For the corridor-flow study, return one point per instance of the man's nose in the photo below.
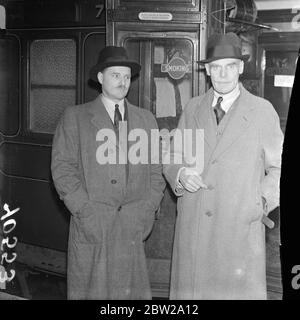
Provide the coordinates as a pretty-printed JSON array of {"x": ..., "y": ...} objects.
[
  {"x": 223, "y": 72},
  {"x": 123, "y": 81}
]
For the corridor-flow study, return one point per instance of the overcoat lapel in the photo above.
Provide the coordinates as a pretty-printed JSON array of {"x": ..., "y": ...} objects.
[
  {"x": 239, "y": 122},
  {"x": 204, "y": 120},
  {"x": 134, "y": 122},
  {"x": 100, "y": 118}
]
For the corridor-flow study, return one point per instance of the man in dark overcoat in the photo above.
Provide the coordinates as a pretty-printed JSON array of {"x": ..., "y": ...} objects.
[{"x": 112, "y": 204}]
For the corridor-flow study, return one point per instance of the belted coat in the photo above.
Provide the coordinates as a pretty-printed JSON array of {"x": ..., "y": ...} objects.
[
  {"x": 219, "y": 246},
  {"x": 111, "y": 216}
]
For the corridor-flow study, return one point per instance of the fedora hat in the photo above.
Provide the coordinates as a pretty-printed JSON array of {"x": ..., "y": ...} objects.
[
  {"x": 222, "y": 46},
  {"x": 113, "y": 56}
]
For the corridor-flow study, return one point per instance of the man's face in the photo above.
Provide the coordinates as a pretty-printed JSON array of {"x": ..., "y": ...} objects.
[
  {"x": 115, "y": 82},
  {"x": 224, "y": 73}
]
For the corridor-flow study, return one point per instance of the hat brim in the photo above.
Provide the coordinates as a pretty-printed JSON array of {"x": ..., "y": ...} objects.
[
  {"x": 244, "y": 57},
  {"x": 134, "y": 66}
]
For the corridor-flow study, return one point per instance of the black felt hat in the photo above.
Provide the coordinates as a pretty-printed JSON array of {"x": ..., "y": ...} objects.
[
  {"x": 222, "y": 46},
  {"x": 113, "y": 56}
]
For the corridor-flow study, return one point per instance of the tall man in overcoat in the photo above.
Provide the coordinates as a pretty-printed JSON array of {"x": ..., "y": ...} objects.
[
  {"x": 219, "y": 246},
  {"x": 112, "y": 205}
]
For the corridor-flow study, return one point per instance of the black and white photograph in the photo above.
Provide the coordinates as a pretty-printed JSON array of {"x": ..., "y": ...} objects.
[{"x": 147, "y": 153}]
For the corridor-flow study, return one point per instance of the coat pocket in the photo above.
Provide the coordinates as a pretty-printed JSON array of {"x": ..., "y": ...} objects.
[
  {"x": 87, "y": 225},
  {"x": 258, "y": 211}
]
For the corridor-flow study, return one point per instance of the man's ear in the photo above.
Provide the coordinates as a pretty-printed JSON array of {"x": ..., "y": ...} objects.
[
  {"x": 207, "y": 68},
  {"x": 100, "y": 77},
  {"x": 241, "y": 67}
]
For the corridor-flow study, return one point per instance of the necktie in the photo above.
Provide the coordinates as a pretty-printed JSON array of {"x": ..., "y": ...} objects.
[
  {"x": 218, "y": 110},
  {"x": 117, "y": 117}
]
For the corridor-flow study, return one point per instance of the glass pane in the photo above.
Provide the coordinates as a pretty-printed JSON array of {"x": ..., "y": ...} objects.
[
  {"x": 47, "y": 105},
  {"x": 53, "y": 82},
  {"x": 279, "y": 78},
  {"x": 9, "y": 88},
  {"x": 53, "y": 62},
  {"x": 165, "y": 82}
]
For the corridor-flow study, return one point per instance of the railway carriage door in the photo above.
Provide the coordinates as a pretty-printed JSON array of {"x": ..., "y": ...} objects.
[
  {"x": 46, "y": 52},
  {"x": 166, "y": 38},
  {"x": 166, "y": 83}
]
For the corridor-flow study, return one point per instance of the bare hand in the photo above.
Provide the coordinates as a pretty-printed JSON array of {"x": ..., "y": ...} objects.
[{"x": 191, "y": 180}]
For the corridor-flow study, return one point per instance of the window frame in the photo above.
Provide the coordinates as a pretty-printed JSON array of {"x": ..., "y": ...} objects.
[
  {"x": 15, "y": 36},
  {"x": 29, "y": 39},
  {"x": 74, "y": 87}
]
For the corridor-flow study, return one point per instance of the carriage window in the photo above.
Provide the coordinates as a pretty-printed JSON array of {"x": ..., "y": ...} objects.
[
  {"x": 9, "y": 85},
  {"x": 165, "y": 82},
  {"x": 52, "y": 83}
]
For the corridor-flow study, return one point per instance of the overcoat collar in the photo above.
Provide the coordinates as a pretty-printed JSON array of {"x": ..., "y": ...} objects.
[
  {"x": 101, "y": 119},
  {"x": 239, "y": 122},
  {"x": 204, "y": 120}
]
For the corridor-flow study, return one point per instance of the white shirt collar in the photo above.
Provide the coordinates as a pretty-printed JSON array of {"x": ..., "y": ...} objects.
[
  {"x": 110, "y": 107},
  {"x": 228, "y": 98}
]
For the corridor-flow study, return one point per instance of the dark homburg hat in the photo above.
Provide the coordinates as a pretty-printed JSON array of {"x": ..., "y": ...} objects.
[
  {"x": 221, "y": 46},
  {"x": 113, "y": 56}
]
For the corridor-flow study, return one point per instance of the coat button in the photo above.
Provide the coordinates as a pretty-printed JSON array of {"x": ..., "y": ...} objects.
[
  {"x": 209, "y": 213},
  {"x": 113, "y": 181},
  {"x": 119, "y": 208}
]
